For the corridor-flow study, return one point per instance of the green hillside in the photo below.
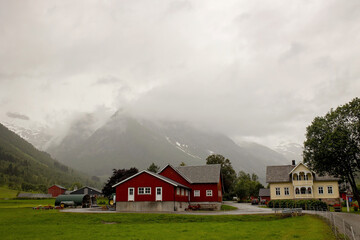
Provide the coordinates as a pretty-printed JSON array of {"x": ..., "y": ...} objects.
[{"x": 23, "y": 167}]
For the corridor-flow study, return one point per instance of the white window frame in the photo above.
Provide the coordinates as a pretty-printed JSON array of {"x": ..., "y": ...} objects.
[
  {"x": 331, "y": 190},
  {"x": 286, "y": 191},
  {"x": 186, "y": 192},
  {"x": 177, "y": 191},
  {"x": 277, "y": 191},
  {"x": 182, "y": 192},
  {"x": 144, "y": 190},
  {"x": 209, "y": 193},
  {"x": 321, "y": 190},
  {"x": 196, "y": 193}
]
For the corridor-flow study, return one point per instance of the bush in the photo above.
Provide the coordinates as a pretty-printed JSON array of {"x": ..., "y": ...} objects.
[
  {"x": 356, "y": 208},
  {"x": 304, "y": 204}
]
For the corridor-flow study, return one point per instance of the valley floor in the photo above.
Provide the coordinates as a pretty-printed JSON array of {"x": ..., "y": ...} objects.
[{"x": 19, "y": 221}]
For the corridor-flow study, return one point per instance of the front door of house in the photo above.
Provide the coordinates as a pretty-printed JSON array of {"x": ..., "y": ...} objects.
[
  {"x": 130, "y": 194},
  {"x": 159, "y": 194}
]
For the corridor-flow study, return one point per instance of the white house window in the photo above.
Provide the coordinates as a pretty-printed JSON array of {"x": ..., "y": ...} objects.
[
  {"x": 186, "y": 192},
  {"x": 196, "y": 193},
  {"x": 177, "y": 191},
  {"x": 208, "y": 193},
  {"x": 330, "y": 190},
  {"x": 277, "y": 191},
  {"x": 182, "y": 192},
  {"x": 144, "y": 190},
  {"x": 321, "y": 190},
  {"x": 286, "y": 191}
]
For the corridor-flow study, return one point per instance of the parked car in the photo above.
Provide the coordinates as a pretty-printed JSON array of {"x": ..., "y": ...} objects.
[{"x": 255, "y": 202}]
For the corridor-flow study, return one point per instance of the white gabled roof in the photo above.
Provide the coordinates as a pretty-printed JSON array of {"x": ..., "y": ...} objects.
[
  {"x": 297, "y": 167},
  {"x": 165, "y": 179}
]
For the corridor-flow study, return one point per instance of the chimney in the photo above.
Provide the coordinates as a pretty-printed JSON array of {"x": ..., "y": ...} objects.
[{"x": 293, "y": 162}]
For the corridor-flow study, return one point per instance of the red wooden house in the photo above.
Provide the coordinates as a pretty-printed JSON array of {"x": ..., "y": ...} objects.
[
  {"x": 56, "y": 190},
  {"x": 172, "y": 189}
]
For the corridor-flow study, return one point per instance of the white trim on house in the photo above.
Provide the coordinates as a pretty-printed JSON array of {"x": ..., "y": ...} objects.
[
  {"x": 286, "y": 191},
  {"x": 131, "y": 197},
  {"x": 144, "y": 190},
  {"x": 277, "y": 190},
  {"x": 158, "y": 194},
  {"x": 145, "y": 171},
  {"x": 209, "y": 193},
  {"x": 196, "y": 193},
  {"x": 322, "y": 190},
  {"x": 298, "y": 166},
  {"x": 169, "y": 165}
]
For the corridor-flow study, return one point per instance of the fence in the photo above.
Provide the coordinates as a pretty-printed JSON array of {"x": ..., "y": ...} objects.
[{"x": 341, "y": 223}]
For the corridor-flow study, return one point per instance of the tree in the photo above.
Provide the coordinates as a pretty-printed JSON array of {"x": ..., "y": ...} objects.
[
  {"x": 227, "y": 172},
  {"x": 247, "y": 185},
  {"x": 153, "y": 168},
  {"x": 76, "y": 185},
  {"x": 118, "y": 176},
  {"x": 332, "y": 144},
  {"x": 182, "y": 164}
]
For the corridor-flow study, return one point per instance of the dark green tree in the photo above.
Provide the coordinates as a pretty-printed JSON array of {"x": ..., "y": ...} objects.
[
  {"x": 153, "y": 168},
  {"x": 332, "y": 144},
  {"x": 182, "y": 164},
  {"x": 227, "y": 172},
  {"x": 118, "y": 176},
  {"x": 247, "y": 185}
]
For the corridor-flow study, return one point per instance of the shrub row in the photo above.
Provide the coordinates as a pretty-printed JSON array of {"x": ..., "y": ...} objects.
[{"x": 304, "y": 204}]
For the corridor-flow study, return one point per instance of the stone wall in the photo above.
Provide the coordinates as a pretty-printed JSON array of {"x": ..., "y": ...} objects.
[{"x": 151, "y": 206}]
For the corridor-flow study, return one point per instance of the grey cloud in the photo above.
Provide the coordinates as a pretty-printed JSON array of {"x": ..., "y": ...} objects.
[
  {"x": 254, "y": 69},
  {"x": 17, "y": 115},
  {"x": 294, "y": 50}
]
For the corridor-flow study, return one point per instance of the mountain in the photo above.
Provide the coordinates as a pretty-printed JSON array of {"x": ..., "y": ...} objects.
[
  {"x": 22, "y": 166},
  {"x": 125, "y": 142},
  {"x": 36, "y": 135},
  {"x": 291, "y": 151}
]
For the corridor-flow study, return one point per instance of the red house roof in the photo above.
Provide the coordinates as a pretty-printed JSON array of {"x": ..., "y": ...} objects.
[{"x": 168, "y": 180}]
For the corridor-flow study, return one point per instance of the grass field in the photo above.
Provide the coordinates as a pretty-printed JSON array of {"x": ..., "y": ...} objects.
[
  {"x": 18, "y": 221},
  {"x": 7, "y": 193},
  {"x": 227, "y": 207}
]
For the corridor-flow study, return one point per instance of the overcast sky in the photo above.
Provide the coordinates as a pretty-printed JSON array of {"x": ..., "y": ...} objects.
[{"x": 254, "y": 70}]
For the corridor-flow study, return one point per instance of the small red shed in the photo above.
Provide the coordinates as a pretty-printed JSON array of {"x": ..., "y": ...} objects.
[
  {"x": 264, "y": 194},
  {"x": 56, "y": 190}
]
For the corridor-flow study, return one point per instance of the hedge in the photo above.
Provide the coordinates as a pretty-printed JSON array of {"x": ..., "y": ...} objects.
[{"x": 304, "y": 204}]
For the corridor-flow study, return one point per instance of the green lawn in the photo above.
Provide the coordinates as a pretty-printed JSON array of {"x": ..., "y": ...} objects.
[
  {"x": 7, "y": 193},
  {"x": 225, "y": 207},
  {"x": 18, "y": 221}
]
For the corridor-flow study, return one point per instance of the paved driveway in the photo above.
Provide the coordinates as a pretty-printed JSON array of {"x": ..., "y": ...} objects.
[{"x": 243, "y": 208}]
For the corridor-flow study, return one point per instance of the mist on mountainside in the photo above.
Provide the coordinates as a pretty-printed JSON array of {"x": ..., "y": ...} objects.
[{"x": 125, "y": 141}]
